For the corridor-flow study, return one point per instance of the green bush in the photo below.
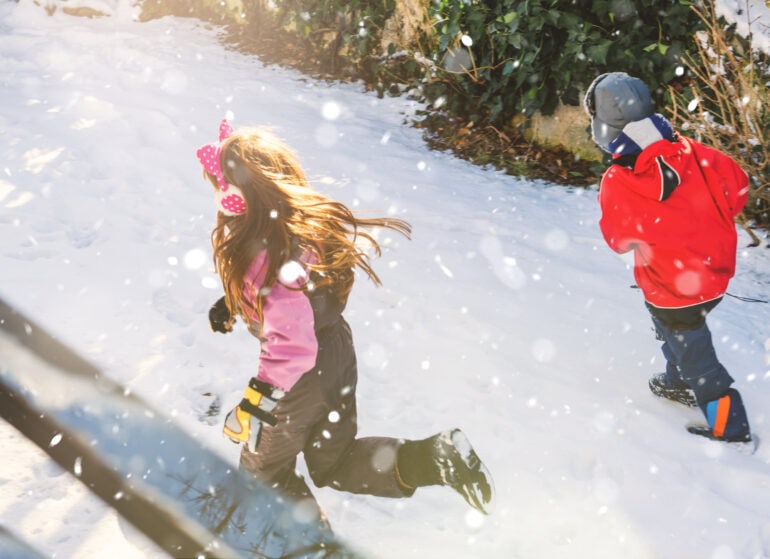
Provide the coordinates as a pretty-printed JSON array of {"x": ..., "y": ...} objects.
[
  {"x": 510, "y": 57},
  {"x": 529, "y": 55},
  {"x": 338, "y": 37}
]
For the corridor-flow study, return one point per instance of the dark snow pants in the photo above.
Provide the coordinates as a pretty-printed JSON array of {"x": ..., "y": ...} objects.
[
  {"x": 689, "y": 350},
  {"x": 318, "y": 418}
]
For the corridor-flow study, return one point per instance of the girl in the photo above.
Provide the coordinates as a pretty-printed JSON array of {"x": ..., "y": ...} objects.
[{"x": 286, "y": 257}]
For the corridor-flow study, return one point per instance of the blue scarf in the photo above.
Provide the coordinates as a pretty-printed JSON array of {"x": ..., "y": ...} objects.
[{"x": 639, "y": 134}]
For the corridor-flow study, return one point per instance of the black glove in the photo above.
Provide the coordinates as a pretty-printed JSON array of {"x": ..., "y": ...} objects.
[
  {"x": 219, "y": 317},
  {"x": 244, "y": 422}
]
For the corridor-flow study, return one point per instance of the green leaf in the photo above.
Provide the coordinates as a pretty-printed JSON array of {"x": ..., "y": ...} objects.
[{"x": 598, "y": 53}]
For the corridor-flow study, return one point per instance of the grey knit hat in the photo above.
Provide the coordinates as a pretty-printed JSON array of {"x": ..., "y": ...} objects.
[{"x": 612, "y": 101}]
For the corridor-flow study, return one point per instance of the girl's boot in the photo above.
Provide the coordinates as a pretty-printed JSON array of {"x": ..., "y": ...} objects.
[{"x": 446, "y": 459}]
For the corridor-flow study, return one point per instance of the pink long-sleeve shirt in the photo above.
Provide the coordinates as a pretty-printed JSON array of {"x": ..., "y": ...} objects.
[{"x": 292, "y": 318}]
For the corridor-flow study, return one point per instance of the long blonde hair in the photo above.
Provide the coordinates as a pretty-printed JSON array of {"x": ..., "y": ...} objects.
[{"x": 285, "y": 216}]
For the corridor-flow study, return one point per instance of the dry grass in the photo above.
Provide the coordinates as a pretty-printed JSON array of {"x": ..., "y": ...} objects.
[{"x": 724, "y": 105}]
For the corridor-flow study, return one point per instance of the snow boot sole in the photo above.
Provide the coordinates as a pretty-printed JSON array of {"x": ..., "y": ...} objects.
[
  {"x": 681, "y": 395},
  {"x": 747, "y": 445}
]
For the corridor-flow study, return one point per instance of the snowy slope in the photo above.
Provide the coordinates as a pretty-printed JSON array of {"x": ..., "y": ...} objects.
[{"x": 505, "y": 315}]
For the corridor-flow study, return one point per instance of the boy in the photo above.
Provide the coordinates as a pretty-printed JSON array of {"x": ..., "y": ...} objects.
[{"x": 672, "y": 201}]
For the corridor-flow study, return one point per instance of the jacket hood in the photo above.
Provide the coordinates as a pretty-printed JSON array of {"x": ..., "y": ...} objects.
[{"x": 655, "y": 172}]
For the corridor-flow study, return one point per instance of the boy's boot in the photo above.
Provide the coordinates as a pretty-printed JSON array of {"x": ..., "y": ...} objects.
[
  {"x": 662, "y": 385},
  {"x": 726, "y": 418},
  {"x": 446, "y": 459}
]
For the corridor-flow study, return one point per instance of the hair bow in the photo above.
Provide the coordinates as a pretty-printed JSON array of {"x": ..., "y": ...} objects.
[{"x": 229, "y": 197}]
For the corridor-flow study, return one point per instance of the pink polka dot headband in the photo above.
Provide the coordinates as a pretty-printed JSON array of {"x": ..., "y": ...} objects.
[{"x": 230, "y": 200}]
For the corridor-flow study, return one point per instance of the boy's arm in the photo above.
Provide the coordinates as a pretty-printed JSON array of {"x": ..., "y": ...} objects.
[
  {"x": 735, "y": 184},
  {"x": 724, "y": 176},
  {"x": 614, "y": 222}
]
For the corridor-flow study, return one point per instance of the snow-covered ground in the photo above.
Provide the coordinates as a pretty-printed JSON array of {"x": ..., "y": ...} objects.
[{"x": 506, "y": 315}]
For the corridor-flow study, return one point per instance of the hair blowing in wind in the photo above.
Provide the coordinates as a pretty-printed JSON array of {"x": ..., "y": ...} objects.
[{"x": 285, "y": 217}]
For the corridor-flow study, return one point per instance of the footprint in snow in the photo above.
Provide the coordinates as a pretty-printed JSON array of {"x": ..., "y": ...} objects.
[{"x": 165, "y": 304}]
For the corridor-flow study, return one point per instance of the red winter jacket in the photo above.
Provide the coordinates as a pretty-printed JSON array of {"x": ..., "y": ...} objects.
[{"x": 675, "y": 210}]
